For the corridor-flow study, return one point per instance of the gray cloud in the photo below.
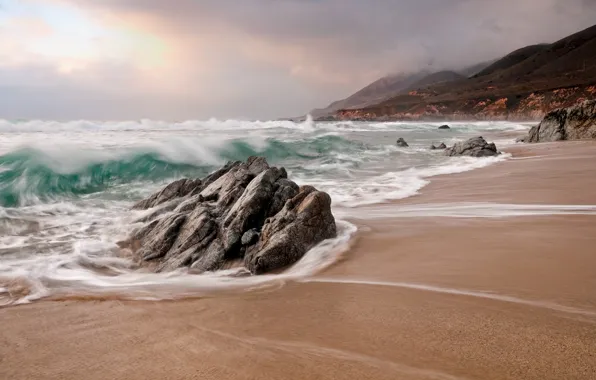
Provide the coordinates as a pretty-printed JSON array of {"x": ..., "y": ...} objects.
[{"x": 275, "y": 58}]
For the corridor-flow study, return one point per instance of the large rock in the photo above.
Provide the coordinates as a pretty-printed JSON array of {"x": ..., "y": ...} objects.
[
  {"x": 474, "y": 147},
  {"x": 574, "y": 123},
  {"x": 246, "y": 211},
  {"x": 305, "y": 220},
  {"x": 445, "y": 126}
]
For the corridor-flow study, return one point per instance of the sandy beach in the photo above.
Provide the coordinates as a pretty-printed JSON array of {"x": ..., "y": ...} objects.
[{"x": 419, "y": 295}]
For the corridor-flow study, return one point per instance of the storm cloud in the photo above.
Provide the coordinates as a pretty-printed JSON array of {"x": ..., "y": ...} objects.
[{"x": 274, "y": 58}]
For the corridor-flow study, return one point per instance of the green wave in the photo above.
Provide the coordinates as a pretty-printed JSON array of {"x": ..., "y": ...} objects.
[{"x": 29, "y": 176}]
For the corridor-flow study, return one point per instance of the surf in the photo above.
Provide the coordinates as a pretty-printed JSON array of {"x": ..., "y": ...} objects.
[
  {"x": 66, "y": 191},
  {"x": 33, "y": 175}
]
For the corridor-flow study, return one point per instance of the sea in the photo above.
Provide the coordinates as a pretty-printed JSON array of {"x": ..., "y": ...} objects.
[{"x": 66, "y": 191}]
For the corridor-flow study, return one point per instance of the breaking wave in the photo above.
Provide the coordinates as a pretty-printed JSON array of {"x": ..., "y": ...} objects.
[{"x": 33, "y": 175}]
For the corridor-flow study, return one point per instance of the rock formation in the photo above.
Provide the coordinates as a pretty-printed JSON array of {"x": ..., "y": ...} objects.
[
  {"x": 402, "y": 143},
  {"x": 474, "y": 147},
  {"x": 444, "y": 127},
  {"x": 440, "y": 146},
  {"x": 574, "y": 123},
  {"x": 245, "y": 211}
]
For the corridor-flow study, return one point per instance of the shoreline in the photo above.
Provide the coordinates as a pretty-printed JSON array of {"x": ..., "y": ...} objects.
[{"x": 427, "y": 297}]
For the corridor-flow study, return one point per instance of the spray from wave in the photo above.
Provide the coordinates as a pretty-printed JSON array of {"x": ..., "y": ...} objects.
[{"x": 34, "y": 175}]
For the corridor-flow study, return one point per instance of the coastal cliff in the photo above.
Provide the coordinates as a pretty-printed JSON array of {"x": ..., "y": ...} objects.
[
  {"x": 531, "y": 106},
  {"x": 523, "y": 85}
]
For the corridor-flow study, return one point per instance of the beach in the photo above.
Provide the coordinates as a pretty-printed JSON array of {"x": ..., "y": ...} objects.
[{"x": 432, "y": 296}]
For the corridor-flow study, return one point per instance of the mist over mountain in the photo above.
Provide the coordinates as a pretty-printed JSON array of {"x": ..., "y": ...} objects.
[
  {"x": 524, "y": 84},
  {"x": 116, "y": 59}
]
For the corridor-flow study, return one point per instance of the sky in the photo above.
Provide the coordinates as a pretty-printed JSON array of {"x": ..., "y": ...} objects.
[{"x": 245, "y": 59}]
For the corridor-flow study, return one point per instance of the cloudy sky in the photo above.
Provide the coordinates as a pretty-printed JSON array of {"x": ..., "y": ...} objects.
[{"x": 196, "y": 59}]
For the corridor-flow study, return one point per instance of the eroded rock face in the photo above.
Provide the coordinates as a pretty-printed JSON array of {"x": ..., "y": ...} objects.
[
  {"x": 245, "y": 211},
  {"x": 574, "y": 123},
  {"x": 402, "y": 143},
  {"x": 287, "y": 236},
  {"x": 474, "y": 147}
]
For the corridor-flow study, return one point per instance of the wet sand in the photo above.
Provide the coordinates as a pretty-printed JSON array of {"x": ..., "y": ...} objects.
[{"x": 430, "y": 297}]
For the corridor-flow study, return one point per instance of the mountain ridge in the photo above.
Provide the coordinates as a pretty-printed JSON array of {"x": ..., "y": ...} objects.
[{"x": 524, "y": 84}]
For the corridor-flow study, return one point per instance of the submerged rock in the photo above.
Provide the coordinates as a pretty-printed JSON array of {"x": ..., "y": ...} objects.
[
  {"x": 245, "y": 211},
  {"x": 444, "y": 127},
  {"x": 474, "y": 147},
  {"x": 574, "y": 123},
  {"x": 402, "y": 143},
  {"x": 440, "y": 146}
]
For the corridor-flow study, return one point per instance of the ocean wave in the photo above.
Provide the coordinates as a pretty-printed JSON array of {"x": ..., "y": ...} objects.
[
  {"x": 35, "y": 174},
  {"x": 231, "y": 125},
  {"x": 25, "y": 126}
]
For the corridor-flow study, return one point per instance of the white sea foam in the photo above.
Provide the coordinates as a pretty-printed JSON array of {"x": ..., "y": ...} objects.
[
  {"x": 361, "y": 191},
  {"x": 308, "y": 125},
  {"x": 83, "y": 271}
]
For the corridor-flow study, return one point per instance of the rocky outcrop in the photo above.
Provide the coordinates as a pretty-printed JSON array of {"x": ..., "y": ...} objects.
[
  {"x": 401, "y": 143},
  {"x": 474, "y": 147},
  {"x": 444, "y": 127},
  {"x": 245, "y": 211},
  {"x": 574, "y": 123},
  {"x": 440, "y": 146},
  {"x": 285, "y": 237}
]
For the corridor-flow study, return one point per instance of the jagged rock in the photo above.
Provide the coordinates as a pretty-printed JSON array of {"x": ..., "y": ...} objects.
[
  {"x": 574, "y": 123},
  {"x": 158, "y": 241},
  {"x": 474, "y": 147},
  {"x": 250, "y": 210},
  {"x": 175, "y": 189},
  {"x": 286, "y": 189},
  {"x": 402, "y": 143},
  {"x": 245, "y": 211},
  {"x": 444, "y": 127},
  {"x": 440, "y": 146},
  {"x": 305, "y": 220}
]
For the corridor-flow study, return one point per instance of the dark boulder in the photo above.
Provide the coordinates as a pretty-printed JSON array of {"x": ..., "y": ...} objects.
[
  {"x": 574, "y": 123},
  {"x": 474, "y": 147},
  {"x": 444, "y": 127},
  {"x": 245, "y": 211},
  {"x": 402, "y": 143}
]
